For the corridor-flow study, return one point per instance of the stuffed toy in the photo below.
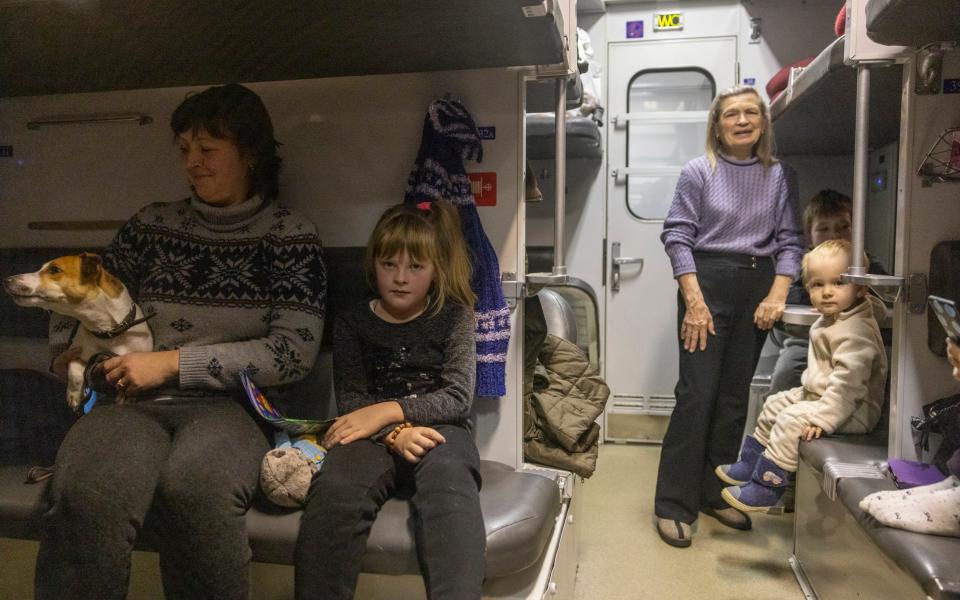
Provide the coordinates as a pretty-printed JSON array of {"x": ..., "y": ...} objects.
[{"x": 286, "y": 471}]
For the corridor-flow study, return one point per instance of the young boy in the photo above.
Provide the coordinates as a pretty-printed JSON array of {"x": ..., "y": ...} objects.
[
  {"x": 827, "y": 217},
  {"x": 842, "y": 389}
]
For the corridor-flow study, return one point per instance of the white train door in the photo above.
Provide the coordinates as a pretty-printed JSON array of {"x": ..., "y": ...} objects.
[{"x": 658, "y": 95}]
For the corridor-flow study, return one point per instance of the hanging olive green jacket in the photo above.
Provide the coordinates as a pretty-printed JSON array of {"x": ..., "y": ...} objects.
[{"x": 562, "y": 401}]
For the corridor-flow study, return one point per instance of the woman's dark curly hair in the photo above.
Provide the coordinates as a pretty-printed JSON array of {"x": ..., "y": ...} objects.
[{"x": 236, "y": 113}]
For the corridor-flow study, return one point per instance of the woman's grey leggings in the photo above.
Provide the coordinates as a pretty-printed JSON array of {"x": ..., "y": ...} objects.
[{"x": 192, "y": 464}]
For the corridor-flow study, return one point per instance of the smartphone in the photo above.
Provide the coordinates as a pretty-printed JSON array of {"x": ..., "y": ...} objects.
[{"x": 947, "y": 314}]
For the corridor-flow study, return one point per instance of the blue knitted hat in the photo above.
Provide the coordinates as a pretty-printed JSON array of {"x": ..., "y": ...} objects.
[{"x": 449, "y": 138}]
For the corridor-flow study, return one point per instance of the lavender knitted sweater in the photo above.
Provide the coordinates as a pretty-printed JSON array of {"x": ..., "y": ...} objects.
[{"x": 740, "y": 207}]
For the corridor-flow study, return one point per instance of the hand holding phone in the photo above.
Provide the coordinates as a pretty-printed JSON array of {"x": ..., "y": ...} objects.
[{"x": 947, "y": 314}]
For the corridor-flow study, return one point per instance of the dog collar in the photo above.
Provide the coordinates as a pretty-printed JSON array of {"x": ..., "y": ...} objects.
[{"x": 129, "y": 321}]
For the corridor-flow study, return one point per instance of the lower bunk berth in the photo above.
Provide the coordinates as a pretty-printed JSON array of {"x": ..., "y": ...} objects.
[
  {"x": 527, "y": 512},
  {"x": 842, "y": 552}
]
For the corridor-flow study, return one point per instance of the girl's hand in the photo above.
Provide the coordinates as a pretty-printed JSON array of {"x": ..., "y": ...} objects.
[
  {"x": 413, "y": 443},
  {"x": 140, "y": 371},
  {"x": 953, "y": 355},
  {"x": 811, "y": 432},
  {"x": 697, "y": 321},
  {"x": 769, "y": 312},
  {"x": 362, "y": 423},
  {"x": 63, "y": 360}
]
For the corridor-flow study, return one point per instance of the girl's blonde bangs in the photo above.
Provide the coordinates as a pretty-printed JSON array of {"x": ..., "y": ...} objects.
[{"x": 405, "y": 236}]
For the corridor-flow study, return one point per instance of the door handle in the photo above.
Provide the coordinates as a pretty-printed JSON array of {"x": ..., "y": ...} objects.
[{"x": 620, "y": 260}]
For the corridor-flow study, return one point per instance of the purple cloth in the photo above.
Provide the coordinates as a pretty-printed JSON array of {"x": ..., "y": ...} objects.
[
  {"x": 908, "y": 473},
  {"x": 740, "y": 207}
]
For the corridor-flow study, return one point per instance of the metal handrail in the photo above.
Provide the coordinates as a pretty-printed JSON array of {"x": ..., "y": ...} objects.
[{"x": 139, "y": 118}]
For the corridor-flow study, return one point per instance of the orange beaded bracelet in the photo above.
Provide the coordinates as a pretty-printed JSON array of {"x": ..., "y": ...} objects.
[{"x": 391, "y": 439}]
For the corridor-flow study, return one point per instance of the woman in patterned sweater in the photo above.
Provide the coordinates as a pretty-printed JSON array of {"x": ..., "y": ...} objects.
[{"x": 236, "y": 282}]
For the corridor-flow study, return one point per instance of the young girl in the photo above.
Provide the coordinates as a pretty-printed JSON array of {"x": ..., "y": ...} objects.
[{"x": 404, "y": 369}]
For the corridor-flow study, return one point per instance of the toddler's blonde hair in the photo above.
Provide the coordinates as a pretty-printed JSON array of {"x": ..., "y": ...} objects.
[{"x": 827, "y": 249}]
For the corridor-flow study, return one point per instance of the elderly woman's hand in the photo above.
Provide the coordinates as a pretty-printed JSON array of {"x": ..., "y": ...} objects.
[
  {"x": 697, "y": 322},
  {"x": 771, "y": 308},
  {"x": 769, "y": 312}
]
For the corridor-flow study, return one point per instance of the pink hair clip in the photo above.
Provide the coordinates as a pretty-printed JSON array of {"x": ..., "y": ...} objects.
[{"x": 424, "y": 206}]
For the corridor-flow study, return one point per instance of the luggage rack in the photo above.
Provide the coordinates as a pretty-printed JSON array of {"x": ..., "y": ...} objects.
[{"x": 939, "y": 165}]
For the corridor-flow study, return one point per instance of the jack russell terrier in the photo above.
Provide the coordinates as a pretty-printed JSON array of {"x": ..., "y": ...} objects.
[{"x": 79, "y": 287}]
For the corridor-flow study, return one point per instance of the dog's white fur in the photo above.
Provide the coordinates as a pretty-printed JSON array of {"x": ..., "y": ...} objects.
[{"x": 79, "y": 287}]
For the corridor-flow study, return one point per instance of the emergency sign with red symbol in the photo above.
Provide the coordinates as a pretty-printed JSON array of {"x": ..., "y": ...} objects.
[{"x": 483, "y": 186}]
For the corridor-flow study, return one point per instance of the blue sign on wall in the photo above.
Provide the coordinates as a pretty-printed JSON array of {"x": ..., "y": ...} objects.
[
  {"x": 749, "y": 81},
  {"x": 487, "y": 133},
  {"x": 634, "y": 29},
  {"x": 951, "y": 86},
  {"x": 6, "y": 151}
]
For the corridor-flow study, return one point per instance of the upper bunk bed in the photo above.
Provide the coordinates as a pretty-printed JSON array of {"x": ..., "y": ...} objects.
[
  {"x": 912, "y": 23},
  {"x": 584, "y": 111},
  {"x": 816, "y": 114},
  {"x": 70, "y": 47},
  {"x": 583, "y": 137}
]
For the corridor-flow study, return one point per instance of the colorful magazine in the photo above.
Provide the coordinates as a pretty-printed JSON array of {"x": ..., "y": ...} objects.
[{"x": 273, "y": 416}]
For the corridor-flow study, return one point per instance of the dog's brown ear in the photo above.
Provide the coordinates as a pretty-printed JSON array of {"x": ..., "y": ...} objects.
[{"x": 90, "y": 267}]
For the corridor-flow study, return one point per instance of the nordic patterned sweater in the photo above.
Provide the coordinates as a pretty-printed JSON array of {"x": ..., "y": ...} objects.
[
  {"x": 240, "y": 287},
  {"x": 740, "y": 207},
  {"x": 428, "y": 365}
]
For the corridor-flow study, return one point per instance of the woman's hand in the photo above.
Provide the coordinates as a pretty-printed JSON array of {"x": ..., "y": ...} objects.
[
  {"x": 953, "y": 355},
  {"x": 771, "y": 308},
  {"x": 140, "y": 371},
  {"x": 413, "y": 443},
  {"x": 697, "y": 320},
  {"x": 769, "y": 312},
  {"x": 362, "y": 423},
  {"x": 59, "y": 365},
  {"x": 811, "y": 432}
]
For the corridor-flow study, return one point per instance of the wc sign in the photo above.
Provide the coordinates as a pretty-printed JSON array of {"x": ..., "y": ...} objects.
[{"x": 667, "y": 21}]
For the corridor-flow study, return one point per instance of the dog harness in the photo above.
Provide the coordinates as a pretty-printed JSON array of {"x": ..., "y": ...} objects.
[{"x": 129, "y": 321}]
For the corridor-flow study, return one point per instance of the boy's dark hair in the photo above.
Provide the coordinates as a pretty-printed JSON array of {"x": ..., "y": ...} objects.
[
  {"x": 236, "y": 113},
  {"x": 825, "y": 203}
]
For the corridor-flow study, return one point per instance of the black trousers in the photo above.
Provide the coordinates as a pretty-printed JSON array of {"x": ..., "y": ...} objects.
[
  {"x": 348, "y": 491},
  {"x": 713, "y": 390}
]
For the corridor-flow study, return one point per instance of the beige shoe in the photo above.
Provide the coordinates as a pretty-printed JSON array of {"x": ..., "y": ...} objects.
[
  {"x": 675, "y": 533},
  {"x": 730, "y": 517}
]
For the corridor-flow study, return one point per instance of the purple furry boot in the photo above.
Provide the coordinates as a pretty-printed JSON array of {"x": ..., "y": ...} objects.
[
  {"x": 739, "y": 472},
  {"x": 763, "y": 491}
]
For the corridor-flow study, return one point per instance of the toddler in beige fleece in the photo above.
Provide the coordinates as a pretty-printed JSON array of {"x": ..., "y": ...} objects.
[{"x": 842, "y": 388}]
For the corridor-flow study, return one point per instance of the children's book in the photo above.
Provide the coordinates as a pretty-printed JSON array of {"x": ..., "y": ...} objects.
[{"x": 273, "y": 416}]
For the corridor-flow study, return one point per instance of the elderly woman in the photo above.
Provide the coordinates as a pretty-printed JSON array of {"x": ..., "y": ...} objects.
[
  {"x": 236, "y": 282},
  {"x": 734, "y": 240}
]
